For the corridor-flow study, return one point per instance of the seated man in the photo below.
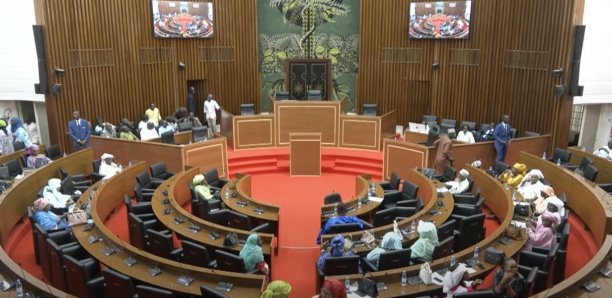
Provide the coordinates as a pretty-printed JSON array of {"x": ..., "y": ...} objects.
[
  {"x": 460, "y": 184},
  {"x": 126, "y": 134},
  {"x": 164, "y": 127},
  {"x": 193, "y": 119},
  {"x": 149, "y": 132},
  {"x": 487, "y": 135},
  {"x": 108, "y": 131},
  {"x": 109, "y": 166},
  {"x": 342, "y": 218},
  {"x": 47, "y": 219}
]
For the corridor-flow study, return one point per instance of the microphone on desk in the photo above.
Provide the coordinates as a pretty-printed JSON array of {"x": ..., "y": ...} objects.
[
  {"x": 94, "y": 238},
  {"x": 192, "y": 226},
  {"x": 184, "y": 279},
  {"x": 109, "y": 249},
  {"x": 155, "y": 270},
  {"x": 130, "y": 261}
]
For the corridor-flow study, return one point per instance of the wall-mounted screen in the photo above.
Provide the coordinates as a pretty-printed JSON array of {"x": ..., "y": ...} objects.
[
  {"x": 440, "y": 19},
  {"x": 182, "y": 19}
]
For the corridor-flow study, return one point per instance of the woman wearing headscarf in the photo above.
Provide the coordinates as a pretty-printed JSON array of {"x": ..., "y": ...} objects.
[
  {"x": 531, "y": 185},
  {"x": 47, "y": 219},
  {"x": 59, "y": 201},
  {"x": 109, "y": 166},
  {"x": 333, "y": 288},
  {"x": 19, "y": 133},
  {"x": 428, "y": 239},
  {"x": 514, "y": 175},
  {"x": 477, "y": 164},
  {"x": 456, "y": 281},
  {"x": 555, "y": 207},
  {"x": 391, "y": 241},
  {"x": 277, "y": 289},
  {"x": 251, "y": 253},
  {"x": 542, "y": 234},
  {"x": 335, "y": 249},
  {"x": 547, "y": 193},
  {"x": 35, "y": 156},
  {"x": 6, "y": 137},
  {"x": 200, "y": 185}
]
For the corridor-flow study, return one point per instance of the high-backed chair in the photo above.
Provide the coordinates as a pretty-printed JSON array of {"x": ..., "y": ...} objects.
[
  {"x": 230, "y": 262},
  {"x": 464, "y": 210},
  {"x": 23, "y": 158},
  {"x": 468, "y": 198},
  {"x": 332, "y": 198},
  {"x": 314, "y": 95},
  {"x": 590, "y": 173},
  {"x": 530, "y": 275},
  {"x": 212, "y": 177},
  {"x": 471, "y": 125},
  {"x": 340, "y": 266},
  {"x": 432, "y": 135},
  {"x": 168, "y": 137},
  {"x": 78, "y": 180},
  {"x": 282, "y": 95},
  {"x": 500, "y": 167},
  {"x": 442, "y": 250},
  {"x": 147, "y": 183},
  {"x": 390, "y": 200},
  {"x": 53, "y": 152},
  {"x": 446, "y": 230},
  {"x": 389, "y": 260},
  {"x": 430, "y": 119},
  {"x": 210, "y": 293},
  {"x": 409, "y": 190},
  {"x": 392, "y": 184},
  {"x": 541, "y": 258},
  {"x": 370, "y": 109},
  {"x": 206, "y": 206},
  {"x": 561, "y": 155},
  {"x": 385, "y": 217},
  {"x": 67, "y": 187},
  {"x": 243, "y": 222},
  {"x": 407, "y": 208},
  {"x": 185, "y": 126},
  {"x": 583, "y": 163},
  {"x": 96, "y": 176},
  {"x": 153, "y": 292},
  {"x": 469, "y": 230},
  {"x": 138, "y": 230},
  {"x": 160, "y": 244},
  {"x": 159, "y": 171},
  {"x": 448, "y": 175},
  {"x": 447, "y": 124},
  {"x": 62, "y": 240},
  {"x": 478, "y": 294},
  {"x": 18, "y": 146},
  {"x": 530, "y": 134},
  {"x": 143, "y": 210},
  {"x": 118, "y": 285},
  {"x": 196, "y": 255},
  {"x": 14, "y": 168},
  {"x": 247, "y": 109},
  {"x": 485, "y": 126},
  {"x": 84, "y": 276},
  {"x": 140, "y": 195},
  {"x": 344, "y": 228},
  {"x": 561, "y": 259}
]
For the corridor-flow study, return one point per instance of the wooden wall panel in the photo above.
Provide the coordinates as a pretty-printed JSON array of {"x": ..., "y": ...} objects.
[
  {"x": 505, "y": 67},
  {"x": 114, "y": 66}
]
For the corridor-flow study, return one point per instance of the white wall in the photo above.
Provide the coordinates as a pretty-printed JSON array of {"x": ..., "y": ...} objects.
[
  {"x": 604, "y": 127},
  {"x": 596, "y": 61},
  {"x": 18, "y": 60}
]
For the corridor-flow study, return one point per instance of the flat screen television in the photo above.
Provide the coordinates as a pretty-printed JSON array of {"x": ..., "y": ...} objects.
[
  {"x": 182, "y": 19},
  {"x": 440, "y": 20}
]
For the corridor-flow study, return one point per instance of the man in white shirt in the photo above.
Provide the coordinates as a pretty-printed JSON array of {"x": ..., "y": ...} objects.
[
  {"x": 210, "y": 109},
  {"x": 109, "y": 166},
  {"x": 149, "y": 132},
  {"x": 164, "y": 127},
  {"x": 465, "y": 135},
  {"x": 460, "y": 184}
]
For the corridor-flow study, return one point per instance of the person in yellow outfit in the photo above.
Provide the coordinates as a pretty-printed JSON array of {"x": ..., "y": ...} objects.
[
  {"x": 201, "y": 186},
  {"x": 153, "y": 114},
  {"x": 514, "y": 175}
]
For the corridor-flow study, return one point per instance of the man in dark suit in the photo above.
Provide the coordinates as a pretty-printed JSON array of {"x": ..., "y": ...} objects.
[
  {"x": 191, "y": 100},
  {"x": 502, "y": 135},
  {"x": 79, "y": 131}
]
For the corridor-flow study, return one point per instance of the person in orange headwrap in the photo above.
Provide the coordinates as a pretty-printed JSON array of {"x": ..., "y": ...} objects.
[
  {"x": 333, "y": 288},
  {"x": 514, "y": 175}
]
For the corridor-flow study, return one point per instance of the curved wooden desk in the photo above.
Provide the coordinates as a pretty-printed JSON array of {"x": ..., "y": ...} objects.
[
  {"x": 106, "y": 198},
  {"x": 362, "y": 186},
  {"x": 592, "y": 205},
  {"x": 499, "y": 201},
  {"x": 427, "y": 190},
  {"x": 178, "y": 194},
  {"x": 604, "y": 166},
  {"x": 20, "y": 196},
  {"x": 241, "y": 186}
]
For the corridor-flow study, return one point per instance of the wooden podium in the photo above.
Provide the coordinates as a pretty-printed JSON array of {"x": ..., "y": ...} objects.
[{"x": 305, "y": 154}]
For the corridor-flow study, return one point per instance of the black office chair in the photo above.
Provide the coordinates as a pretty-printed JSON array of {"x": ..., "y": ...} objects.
[
  {"x": 561, "y": 155},
  {"x": 140, "y": 195},
  {"x": 344, "y": 228},
  {"x": 137, "y": 230},
  {"x": 159, "y": 171},
  {"x": 332, "y": 198},
  {"x": 448, "y": 175},
  {"x": 442, "y": 250},
  {"x": 147, "y": 183},
  {"x": 84, "y": 276},
  {"x": 385, "y": 217},
  {"x": 232, "y": 263},
  {"x": 370, "y": 109},
  {"x": 590, "y": 173},
  {"x": 118, "y": 285},
  {"x": 78, "y": 180},
  {"x": 210, "y": 293},
  {"x": 243, "y": 222},
  {"x": 583, "y": 163},
  {"x": 185, "y": 126},
  {"x": 500, "y": 167},
  {"x": 212, "y": 177},
  {"x": 168, "y": 137},
  {"x": 448, "y": 124},
  {"x": 409, "y": 190},
  {"x": 432, "y": 135},
  {"x": 153, "y": 292},
  {"x": 478, "y": 294},
  {"x": 446, "y": 230},
  {"x": 282, "y": 95},
  {"x": 340, "y": 266},
  {"x": 24, "y": 160},
  {"x": 389, "y": 260},
  {"x": 468, "y": 230},
  {"x": 392, "y": 184},
  {"x": 390, "y": 200},
  {"x": 160, "y": 244},
  {"x": 247, "y": 109},
  {"x": 464, "y": 210},
  {"x": 485, "y": 127},
  {"x": 196, "y": 255},
  {"x": 96, "y": 176},
  {"x": 18, "y": 146},
  {"x": 53, "y": 152},
  {"x": 143, "y": 210},
  {"x": 315, "y": 95},
  {"x": 430, "y": 119},
  {"x": 468, "y": 198},
  {"x": 14, "y": 168},
  {"x": 530, "y": 134}
]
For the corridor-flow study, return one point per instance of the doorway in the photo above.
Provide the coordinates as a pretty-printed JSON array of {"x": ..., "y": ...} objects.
[{"x": 200, "y": 96}]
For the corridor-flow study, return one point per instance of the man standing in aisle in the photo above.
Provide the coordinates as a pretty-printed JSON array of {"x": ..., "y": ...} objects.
[
  {"x": 191, "y": 100},
  {"x": 79, "y": 131},
  {"x": 210, "y": 109},
  {"x": 502, "y": 135}
]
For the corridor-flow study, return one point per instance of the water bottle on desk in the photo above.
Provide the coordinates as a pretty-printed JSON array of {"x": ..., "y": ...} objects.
[
  {"x": 226, "y": 193},
  {"x": 514, "y": 196},
  {"x": 413, "y": 226},
  {"x": 347, "y": 283},
  {"x": 452, "y": 262},
  {"x": 404, "y": 279},
  {"x": 476, "y": 254},
  {"x": 359, "y": 202},
  {"x": 558, "y": 161},
  {"x": 19, "y": 288},
  {"x": 336, "y": 208},
  {"x": 544, "y": 155}
]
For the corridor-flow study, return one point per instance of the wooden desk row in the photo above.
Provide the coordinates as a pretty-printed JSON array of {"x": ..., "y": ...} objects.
[
  {"x": 20, "y": 196},
  {"x": 106, "y": 198},
  {"x": 499, "y": 201},
  {"x": 402, "y": 156},
  {"x": 604, "y": 166},
  {"x": 366, "y": 212}
]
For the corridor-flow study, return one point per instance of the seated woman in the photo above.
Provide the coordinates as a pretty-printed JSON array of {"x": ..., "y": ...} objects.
[
  {"x": 555, "y": 207},
  {"x": 109, "y": 166},
  {"x": 335, "y": 249},
  {"x": 342, "y": 218},
  {"x": 531, "y": 185},
  {"x": 547, "y": 193},
  {"x": 277, "y": 289},
  {"x": 477, "y": 163},
  {"x": 542, "y": 234},
  {"x": 332, "y": 288},
  {"x": 456, "y": 281},
  {"x": 428, "y": 239},
  {"x": 460, "y": 184},
  {"x": 514, "y": 175},
  {"x": 507, "y": 282},
  {"x": 252, "y": 255},
  {"x": 391, "y": 241},
  {"x": 36, "y": 159},
  {"x": 47, "y": 219},
  {"x": 465, "y": 135},
  {"x": 59, "y": 202},
  {"x": 200, "y": 185}
]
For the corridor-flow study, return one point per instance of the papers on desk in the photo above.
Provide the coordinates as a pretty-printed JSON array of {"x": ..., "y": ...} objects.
[
  {"x": 442, "y": 189},
  {"x": 375, "y": 199},
  {"x": 19, "y": 177},
  {"x": 519, "y": 224},
  {"x": 438, "y": 279}
]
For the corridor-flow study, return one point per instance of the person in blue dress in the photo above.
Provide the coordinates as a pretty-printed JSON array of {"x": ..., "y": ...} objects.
[
  {"x": 47, "y": 219},
  {"x": 342, "y": 218},
  {"x": 19, "y": 133}
]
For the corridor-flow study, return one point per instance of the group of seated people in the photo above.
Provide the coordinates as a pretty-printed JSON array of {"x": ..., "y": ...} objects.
[{"x": 151, "y": 125}]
